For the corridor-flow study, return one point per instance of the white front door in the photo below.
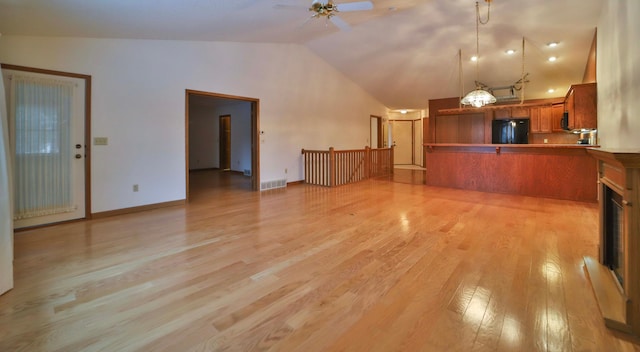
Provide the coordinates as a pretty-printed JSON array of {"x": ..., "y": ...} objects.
[
  {"x": 6, "y": 225},
  {"x": 46, "y": 133},
  {"x": 403, "y": 141}
]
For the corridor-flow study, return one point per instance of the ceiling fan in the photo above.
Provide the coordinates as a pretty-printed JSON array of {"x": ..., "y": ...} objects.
[{"x": 328, "y": 9}]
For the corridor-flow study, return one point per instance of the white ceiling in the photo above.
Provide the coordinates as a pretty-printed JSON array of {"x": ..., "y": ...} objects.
[{"x": 403, "y": 52}]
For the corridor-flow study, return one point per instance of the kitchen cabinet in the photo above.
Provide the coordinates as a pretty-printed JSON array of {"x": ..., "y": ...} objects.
[
  {"x": 542, "y": 119},
  {"x": 581, "y": 104},
  {"x": 557, "y": 110}
]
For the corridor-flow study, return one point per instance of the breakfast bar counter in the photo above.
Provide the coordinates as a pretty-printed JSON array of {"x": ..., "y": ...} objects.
[{"x": 560, "y": 171}]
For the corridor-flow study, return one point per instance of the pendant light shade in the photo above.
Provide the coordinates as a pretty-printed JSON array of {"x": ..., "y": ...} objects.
[{"x": 479, "y": 97}]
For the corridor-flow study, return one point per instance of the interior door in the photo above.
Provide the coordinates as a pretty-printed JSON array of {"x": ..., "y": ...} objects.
[
  {"x": 47, "y": 134},
  {"x": 403, "y": 141},
  {"x": 225, "y": 142}
]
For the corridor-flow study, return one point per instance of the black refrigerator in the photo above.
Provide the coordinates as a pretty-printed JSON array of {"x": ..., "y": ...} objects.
[{"x": 512, "y": 131}]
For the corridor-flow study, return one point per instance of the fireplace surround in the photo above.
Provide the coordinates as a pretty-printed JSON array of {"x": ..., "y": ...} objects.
[{"x": 615, "y": 275}]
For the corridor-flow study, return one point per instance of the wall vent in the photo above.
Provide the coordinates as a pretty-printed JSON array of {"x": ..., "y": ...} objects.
[
  {"x": 282, "y": 183},
  {"x": 247, "y": 172}
]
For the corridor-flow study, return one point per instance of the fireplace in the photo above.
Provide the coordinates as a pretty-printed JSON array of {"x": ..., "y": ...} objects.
[
  {"x": 615, "y": 275},
  {"x": 613, "y": 243}
]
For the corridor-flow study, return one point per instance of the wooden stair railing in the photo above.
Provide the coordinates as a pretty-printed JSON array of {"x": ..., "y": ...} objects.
[{"x": 339, "y": 167}]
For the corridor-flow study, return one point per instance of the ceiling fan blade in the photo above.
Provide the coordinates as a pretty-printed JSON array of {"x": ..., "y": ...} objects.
[
  {"x": 340, "y": 23},
  {"x": 288, "y": 7},
  {"x": 307, "y": 20},
  {"x": 355, "y": 6}
]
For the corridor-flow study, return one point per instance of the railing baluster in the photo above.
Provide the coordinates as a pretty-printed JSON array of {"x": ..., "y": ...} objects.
[{"x": 339, "y": 167}]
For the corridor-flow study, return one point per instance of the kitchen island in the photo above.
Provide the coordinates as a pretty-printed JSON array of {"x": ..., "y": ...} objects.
[{"x": 560, "y": 171}]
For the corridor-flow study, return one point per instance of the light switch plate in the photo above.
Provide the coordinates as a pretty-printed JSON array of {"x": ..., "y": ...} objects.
[{"x": 100, "y": 141}]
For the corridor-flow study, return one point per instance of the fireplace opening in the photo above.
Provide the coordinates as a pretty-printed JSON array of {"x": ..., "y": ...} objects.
[{"x": 613, "y": 242}]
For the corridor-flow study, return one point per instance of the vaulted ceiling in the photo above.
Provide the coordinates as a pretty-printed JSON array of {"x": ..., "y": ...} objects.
[{"x": 403, "y": 52}]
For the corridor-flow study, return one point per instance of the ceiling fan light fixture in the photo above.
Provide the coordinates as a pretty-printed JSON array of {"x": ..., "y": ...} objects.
[{"x": 330, "y": 10}]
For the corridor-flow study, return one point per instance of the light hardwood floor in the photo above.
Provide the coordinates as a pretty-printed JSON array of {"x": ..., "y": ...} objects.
[{"x": 375, "y": 266}]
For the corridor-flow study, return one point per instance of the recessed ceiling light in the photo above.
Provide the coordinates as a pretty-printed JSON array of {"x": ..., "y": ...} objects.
[
  {"x": 551, "y": 90},
  {"x": 474, "y": 58},
  {"x": 553, "y": 58},
  {"x": 552, "y": 44},
  {"x": 510, "y": 52},
  {"x": 403, "y": 111}
]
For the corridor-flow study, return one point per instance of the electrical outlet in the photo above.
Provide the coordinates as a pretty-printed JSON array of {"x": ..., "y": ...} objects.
[{"x": 135, "y": 188}]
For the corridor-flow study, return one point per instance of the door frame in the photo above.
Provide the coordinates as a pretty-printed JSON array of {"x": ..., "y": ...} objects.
[
  {"x": 87, "y": 126},
  {"x": 255, "y": 147}
]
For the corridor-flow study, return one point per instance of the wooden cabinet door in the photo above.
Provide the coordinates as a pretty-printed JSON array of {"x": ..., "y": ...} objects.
[
  {"x": 585, "y": 106},
  {"x": 581, "y": 103},
  {"x": 535, "y": 119},
  {"x": 540, "y": 119},
  {"x": 545, "y": 119},
  {"x": 556, "y": 117}
]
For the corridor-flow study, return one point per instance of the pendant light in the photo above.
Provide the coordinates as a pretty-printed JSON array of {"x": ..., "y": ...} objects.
[{"x": 479, "y": 97}]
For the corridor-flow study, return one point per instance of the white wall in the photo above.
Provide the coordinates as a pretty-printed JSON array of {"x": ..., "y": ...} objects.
[
  {"x": 138, "y": 102},
  {"x": 618, "y": 74}
]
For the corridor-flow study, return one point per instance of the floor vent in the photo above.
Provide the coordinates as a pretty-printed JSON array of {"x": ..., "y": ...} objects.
[
  {"x": 247, "y": 172},
  {"x": 273, "y": 184}
]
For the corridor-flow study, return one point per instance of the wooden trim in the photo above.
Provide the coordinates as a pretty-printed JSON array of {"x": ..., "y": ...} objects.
[
  {"x": 295, "y": 183},
  {"x": 87, "y": 123},
  {"x": 611, "y": 301},
  {"x": 186, "y": 144},
  {"x": 255, "y": 134},
  {"x": 255, "y": 144},
  {"x": 138, "y": 209}
]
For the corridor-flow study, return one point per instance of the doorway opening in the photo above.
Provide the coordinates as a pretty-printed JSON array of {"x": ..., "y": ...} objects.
[
  {"x": 225, "y": 142},
  {"x": 221, "y": 134},
  {"x": 376, "y": 139}
]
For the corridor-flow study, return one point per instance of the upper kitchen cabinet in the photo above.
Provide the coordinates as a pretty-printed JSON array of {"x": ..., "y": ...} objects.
[
  {"x": 540, "y": 119},
  {"x": 581, "y": 104}
]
